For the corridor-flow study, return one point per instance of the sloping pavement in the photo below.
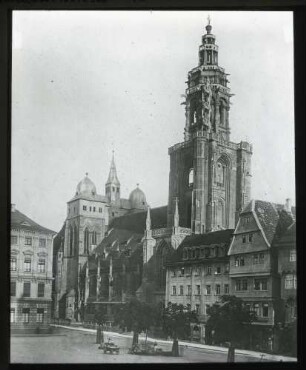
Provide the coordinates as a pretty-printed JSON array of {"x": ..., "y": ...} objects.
[{"x": 185, "y": 345}]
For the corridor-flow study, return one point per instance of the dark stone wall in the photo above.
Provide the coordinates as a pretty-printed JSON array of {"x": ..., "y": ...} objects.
[{"x": 207, "y": 204}]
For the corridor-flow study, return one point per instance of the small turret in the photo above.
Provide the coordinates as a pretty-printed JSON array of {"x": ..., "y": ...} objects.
[{"x": 148, "y": 241}]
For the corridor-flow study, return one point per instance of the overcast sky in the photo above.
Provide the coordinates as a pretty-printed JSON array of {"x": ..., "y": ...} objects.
[{"x": 85, "y": 83}]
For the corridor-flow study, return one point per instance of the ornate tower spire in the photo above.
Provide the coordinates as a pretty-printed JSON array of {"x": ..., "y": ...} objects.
[
  {"x": 207, "y": 94},
  {"x": 112, "y": 186}
]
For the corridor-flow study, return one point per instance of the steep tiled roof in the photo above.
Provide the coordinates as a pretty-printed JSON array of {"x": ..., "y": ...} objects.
[
  {"x": 268, "y": 218},
  {"x": 136, "y": 222},
  {"x": 272, "y": 218},
  {"x": 121, "y": 239},
  {"x": 21, "y": 221},
  {"x": 214, "y": 237},
  {"x": 220, "y": 237}
]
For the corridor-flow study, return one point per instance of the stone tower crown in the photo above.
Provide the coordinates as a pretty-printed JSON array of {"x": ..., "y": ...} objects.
[{"x": 207, "y": 94}]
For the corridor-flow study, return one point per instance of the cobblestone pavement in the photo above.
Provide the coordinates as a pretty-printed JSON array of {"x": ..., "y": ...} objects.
[{"x": 71, "y": 346}]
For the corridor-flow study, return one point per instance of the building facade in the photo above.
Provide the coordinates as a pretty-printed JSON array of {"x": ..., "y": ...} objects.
[
  {"x": 257, "y": 267},
  {"x": 209, "y": 174},
  {"x": 209, "y": 184},
  {"x": 286, "y": 258},
  {"x": 198, "y": 275},
  {"x": 210, "y": 240},
  {"x": 31, "y": 274},
  {"x": 88, "y": 217}
]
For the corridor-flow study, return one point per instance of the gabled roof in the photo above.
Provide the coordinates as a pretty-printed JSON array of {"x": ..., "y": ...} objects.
[
  {"x": 268, "y": 218},
  {"x": 21, "y": 221},
  {"x": 136, "y": 222},
  {"x": 271, "y": 219}
]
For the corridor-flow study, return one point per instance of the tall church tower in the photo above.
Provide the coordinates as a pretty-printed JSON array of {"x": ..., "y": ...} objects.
[{"x": 209, "y": 174}]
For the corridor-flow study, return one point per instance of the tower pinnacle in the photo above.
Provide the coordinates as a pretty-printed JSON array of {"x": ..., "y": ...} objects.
[
  {"x": 148, "y": 220},
  {"x": 112, "y": 177},
  {"x": 112, "y": 186}
]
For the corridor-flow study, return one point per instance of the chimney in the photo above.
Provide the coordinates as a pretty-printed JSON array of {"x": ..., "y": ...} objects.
[
  {"x": 288, "y": 205},
  {"x": 13, "y": 207}
]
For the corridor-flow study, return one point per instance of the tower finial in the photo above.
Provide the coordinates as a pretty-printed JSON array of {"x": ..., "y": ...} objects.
[{"x": 208, "y": 27}]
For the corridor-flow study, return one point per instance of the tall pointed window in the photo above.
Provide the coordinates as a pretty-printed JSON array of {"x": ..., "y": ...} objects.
[
  {"x": 220, "y": 174},
  {"x": 70, "y": 240},
  {"x": 94, "y": 238},
  {"x": 191, "y": 177},
  {"x": 86, "y": 241}
]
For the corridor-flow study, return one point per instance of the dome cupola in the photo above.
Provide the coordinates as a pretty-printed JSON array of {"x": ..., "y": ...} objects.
[
  {"x": 86, "y": 187},
  {"x": 137, "y": 199}
]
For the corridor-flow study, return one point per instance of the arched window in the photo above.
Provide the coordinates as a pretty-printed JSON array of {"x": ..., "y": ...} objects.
[
  {"x": 76, "y": 241},
  {"x": 86, "y": 241},
  {"x": 220, "y": 174},
  {"x": 222, "y": 108},
  {"x": 212, "y": 113},
  {"x": 191, "y": 177},
  {"x": 94, "y": 238},
  {"x": 70, "y": 240}
]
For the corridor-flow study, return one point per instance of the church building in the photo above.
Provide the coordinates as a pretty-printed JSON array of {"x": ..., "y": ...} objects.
[
  {"x": 111, "y": 249},
  {"x": 88, "y": 218}
]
